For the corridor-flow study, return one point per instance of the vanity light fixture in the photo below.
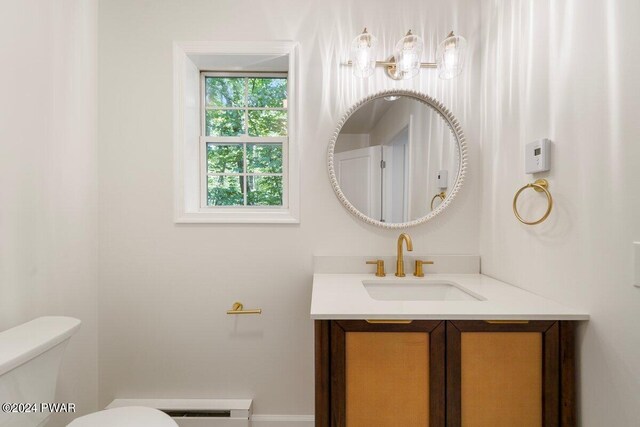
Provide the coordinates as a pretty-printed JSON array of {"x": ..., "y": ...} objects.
[
  {"x": 406, "y": 60},
  {"x": 363, "y": 54},
  {"x": 450, "y": 56},
  {"x": 407, "y": 56}
]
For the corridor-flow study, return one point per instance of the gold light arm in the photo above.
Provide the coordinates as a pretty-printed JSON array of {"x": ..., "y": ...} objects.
[
  {"x": 393, "y": 64},
  {"x": 238, "y": 308}
]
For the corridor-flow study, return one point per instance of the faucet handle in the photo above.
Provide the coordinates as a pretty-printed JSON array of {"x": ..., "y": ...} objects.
[
  {"x": 379, "y": 267},
  {"x": 418, "y": 272}
]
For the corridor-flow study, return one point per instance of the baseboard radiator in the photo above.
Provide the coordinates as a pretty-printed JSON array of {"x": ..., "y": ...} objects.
[{"x": 198, "y": 412}]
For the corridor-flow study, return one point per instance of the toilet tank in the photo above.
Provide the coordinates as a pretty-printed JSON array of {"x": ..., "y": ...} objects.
[{"x": 30, "y": 356}]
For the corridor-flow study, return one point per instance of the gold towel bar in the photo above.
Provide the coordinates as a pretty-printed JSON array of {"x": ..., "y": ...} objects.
[
  {"x": 238, "y": 308},
  {"x": 442, "y": 196},
  {"x": 540, "y": 185}
]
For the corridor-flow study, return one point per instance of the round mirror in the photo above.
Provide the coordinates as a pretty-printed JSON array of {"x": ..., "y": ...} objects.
[{"x": 397, "y": 158}]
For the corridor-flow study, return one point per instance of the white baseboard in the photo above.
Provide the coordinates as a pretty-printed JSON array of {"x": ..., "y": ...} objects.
[
  {"x": 240, "y": 413},
  {"x": 210, "y": 422},
  {"x": 258, "y": 420}
]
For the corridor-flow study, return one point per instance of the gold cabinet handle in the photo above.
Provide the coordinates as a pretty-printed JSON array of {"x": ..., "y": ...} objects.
[
  {"x": 389, "y": 321},
  {"x": 418, "y": 271},
  {"x": 379, "y": 263},
  {"x": 238, "y": 308},
  {"x": 507, "y": 322},
  {"x": 540, "y": 185},
  {"x": 442, "y": 195}
]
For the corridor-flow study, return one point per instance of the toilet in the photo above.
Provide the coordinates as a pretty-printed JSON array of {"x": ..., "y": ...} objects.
[
  {"x": 30, "y": 356},
  {"x": 132, "y": 416}
]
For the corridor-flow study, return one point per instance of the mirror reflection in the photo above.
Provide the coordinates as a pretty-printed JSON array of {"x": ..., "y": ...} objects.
[{"x": 395, "y": 158}]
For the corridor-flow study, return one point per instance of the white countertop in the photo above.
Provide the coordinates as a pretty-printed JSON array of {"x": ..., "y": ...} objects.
[{"x": 343, "y": 296}]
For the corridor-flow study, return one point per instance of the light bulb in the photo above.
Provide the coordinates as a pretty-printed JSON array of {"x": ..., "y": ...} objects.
[
  {"x": 407, "y": 55},
  {"x": 363, "y": 54},
  {"x": 450, "y": 56}
]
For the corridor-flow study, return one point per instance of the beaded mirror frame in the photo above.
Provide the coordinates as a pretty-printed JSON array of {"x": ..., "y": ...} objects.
[{"x": 453, "y": 124}]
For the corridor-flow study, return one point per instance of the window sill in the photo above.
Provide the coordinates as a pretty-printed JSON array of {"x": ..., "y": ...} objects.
[{"x": 238, "y": 216}]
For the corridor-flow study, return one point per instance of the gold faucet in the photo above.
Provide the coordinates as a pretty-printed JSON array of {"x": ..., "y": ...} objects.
[
  {"x": 419, "y": 271},
  {"x": 400, "y": 262},
  {"x": 379, "y": 263}
]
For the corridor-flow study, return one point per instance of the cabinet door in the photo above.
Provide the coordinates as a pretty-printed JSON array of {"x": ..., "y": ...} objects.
[
  {"x": 503, "y": 374},
  {"x": 387, "y": 374}
]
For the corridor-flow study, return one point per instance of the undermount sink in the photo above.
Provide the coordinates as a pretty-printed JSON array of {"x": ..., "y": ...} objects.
[{"x": 417, "y": 290}]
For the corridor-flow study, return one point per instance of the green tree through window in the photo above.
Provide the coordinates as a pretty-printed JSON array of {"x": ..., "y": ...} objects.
[{"x": 245, "y": 124}]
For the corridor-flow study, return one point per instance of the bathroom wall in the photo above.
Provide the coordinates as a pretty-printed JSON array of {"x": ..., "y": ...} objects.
[
  {"x": 164, "y": 288},
  {"x": 568, "y": 70},
  {"x": 48, "y": 160}
]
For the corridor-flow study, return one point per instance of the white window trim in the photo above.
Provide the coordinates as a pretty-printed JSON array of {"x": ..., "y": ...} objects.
[{"x": 188, "y": 146}]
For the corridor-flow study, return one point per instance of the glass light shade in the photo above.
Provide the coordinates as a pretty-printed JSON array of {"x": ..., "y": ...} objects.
[
  {"x": 407, "y": 55},
  {"x": 450, "y": 56},
  {"x": 363, "y": 54}
]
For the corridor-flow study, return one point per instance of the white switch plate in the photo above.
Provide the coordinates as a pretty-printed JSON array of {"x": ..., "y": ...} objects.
[{"x": 636, "y": 264}]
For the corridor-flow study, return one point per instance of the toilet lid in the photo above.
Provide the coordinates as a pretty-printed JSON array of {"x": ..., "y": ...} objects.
[{"x": 129, "y": 416}]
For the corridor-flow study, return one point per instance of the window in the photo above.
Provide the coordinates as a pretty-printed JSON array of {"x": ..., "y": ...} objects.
[
  {"x": 244, "y": 126},
  {"x": 236, "y": 151}
]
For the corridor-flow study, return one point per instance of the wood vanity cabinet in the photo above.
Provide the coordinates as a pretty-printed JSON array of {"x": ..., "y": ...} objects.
[
  {"x": 445, "y": 373},
  {"x": 380, "y": 374}
]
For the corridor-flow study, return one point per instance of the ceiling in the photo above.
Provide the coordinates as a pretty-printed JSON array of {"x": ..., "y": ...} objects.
[{"x": 367, "y": 116}]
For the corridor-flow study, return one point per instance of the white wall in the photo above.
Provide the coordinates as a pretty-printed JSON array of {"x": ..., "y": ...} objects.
[
  {"x": 48, "y": 201},
  {"x": 164, "y": 288},
  {"x": 568, "y": 70}
]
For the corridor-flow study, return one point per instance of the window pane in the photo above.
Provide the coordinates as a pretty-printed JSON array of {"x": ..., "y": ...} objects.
[
  {"x": 225, "y": 158},
  {"x": 224, "y": 191},
  {"x": 268, "y": 92},
  {"x": 267, "y": 123},
  {"x": 225, "y": 122},
  {"x": 264, "y": 158},
  {"x": 264, "y": 190},
  {"x": 224, "y": 91}
]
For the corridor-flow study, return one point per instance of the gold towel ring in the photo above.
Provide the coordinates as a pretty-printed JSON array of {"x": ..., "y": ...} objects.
[
  {"x": 442, "y": 196},
  {"x": 540, "y": 185}
]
